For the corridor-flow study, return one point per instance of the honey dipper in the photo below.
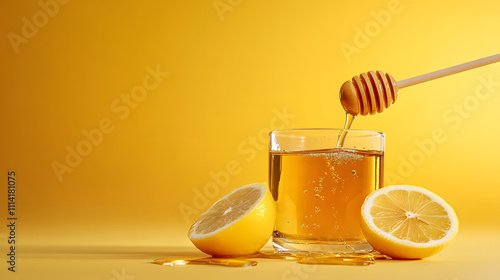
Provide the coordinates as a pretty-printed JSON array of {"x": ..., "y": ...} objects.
[{"x": 372, "y": 92}]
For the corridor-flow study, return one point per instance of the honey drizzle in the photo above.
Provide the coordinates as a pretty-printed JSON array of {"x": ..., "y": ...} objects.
[{"x": 348, "y": 122}]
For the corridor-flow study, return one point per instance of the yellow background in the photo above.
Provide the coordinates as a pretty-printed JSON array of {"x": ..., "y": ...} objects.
[{"x": 235, "y": 70}]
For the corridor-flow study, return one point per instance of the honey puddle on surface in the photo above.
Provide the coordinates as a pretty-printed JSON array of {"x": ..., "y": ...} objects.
[{"x": 348, "y": 259}]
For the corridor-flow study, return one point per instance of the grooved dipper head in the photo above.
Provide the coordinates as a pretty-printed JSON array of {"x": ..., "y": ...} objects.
[{"x": 368, "y": 93}]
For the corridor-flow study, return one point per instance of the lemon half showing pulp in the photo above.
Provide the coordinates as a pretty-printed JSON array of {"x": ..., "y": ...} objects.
[
  {"x": 239, "y": 223},
  {"x": 407, "y": 222}
]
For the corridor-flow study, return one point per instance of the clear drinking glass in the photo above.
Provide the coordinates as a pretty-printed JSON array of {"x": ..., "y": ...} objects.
[{"x": 320, "y": 185}]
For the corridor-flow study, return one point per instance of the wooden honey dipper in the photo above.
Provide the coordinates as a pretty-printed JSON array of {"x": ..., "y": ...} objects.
[{"x": 372, "y": 92}]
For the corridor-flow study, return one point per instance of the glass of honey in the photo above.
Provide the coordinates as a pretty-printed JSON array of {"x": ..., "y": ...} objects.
[{"x": 319, "y": 179}]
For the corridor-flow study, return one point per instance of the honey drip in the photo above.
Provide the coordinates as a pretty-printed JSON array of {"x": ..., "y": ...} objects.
[{"x": 348, "y": 122}]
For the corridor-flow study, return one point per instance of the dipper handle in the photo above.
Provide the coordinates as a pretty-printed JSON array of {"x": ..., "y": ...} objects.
[
  {"x": 372, "y": 92},
  {"x": 449, "y": 71}
]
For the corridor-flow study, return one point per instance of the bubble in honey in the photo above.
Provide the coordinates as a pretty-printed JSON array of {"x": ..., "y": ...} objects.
[
  {"x": 353, "y": 172},
  {"x": 316, "y": 195}
]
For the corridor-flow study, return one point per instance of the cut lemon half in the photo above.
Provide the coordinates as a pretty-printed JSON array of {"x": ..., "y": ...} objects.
[
  {"x": 239, "y": 223},
  {"x": 407, "y": 222}
]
